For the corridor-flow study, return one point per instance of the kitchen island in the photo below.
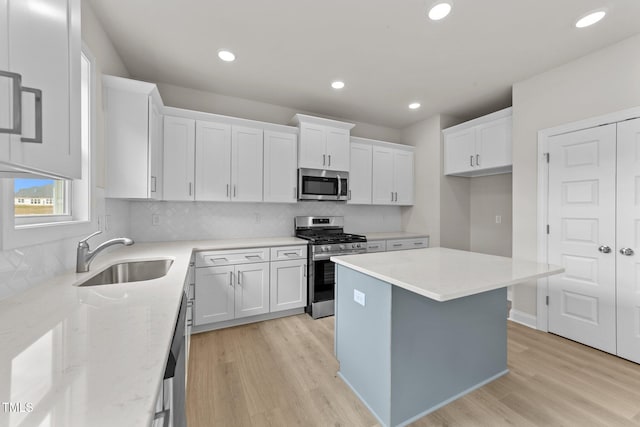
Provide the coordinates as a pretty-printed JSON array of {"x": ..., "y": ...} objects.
[{"x": 415, "y": 330}]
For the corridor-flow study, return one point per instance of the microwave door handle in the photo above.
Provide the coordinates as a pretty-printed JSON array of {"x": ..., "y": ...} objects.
[{"x": 339, "y": 186}]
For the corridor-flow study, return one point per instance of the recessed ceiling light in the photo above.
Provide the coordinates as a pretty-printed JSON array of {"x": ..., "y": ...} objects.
[
  {"x": 590, "y": 18},
  {"x": 337, "y": 84},
  {"x": 439, "y": 11},
  {"x": 226, "y": 55},
  {"x": 414, "y": 105}
]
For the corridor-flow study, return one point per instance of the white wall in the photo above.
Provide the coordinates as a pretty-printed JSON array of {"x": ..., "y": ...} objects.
[
  {"x": 491, "y": 196},
  {"x": 28, "y": 266},
  {"x": 599, "y": 83},
  {"x": 191, "y": 99}
]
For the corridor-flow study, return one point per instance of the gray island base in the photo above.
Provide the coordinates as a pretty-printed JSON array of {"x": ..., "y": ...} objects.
[{"x": 405, "y": 354}]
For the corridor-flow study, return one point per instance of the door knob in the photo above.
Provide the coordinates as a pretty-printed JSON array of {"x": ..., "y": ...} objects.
[
  {"x": 626, "y": 251},
  {"x": 604, "y": 249}
]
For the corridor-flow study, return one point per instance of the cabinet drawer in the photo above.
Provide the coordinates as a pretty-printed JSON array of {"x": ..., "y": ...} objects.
[
  {"x": 285, "y": 253},
  {"x": 232, "y": 257},
  {"x": 404, "y": 244},
  {"x": 377, "y": 246}
]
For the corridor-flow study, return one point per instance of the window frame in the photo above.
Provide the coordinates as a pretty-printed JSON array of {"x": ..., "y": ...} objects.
[{"x": 82, "y": 218}]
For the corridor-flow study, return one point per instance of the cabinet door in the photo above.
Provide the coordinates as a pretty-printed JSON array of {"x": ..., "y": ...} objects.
[
  {"x": 179, "y": 152},
  {"x": 360, "y": 174},
  {"x": 376, "y": 246},
  {"x": 337, "y": 149},
  {"x": 288, "y": 284},
  {"x": 155, "y": 151},
  {"x": 213, "y": 161},
  {"x": 382, "y": 185},
  {"x": 44, "y": 47},
  {"x": 493, "y": 144},
  {"x": 280, "y": 167},
  {"x": 252, "y": 289},
  {"x": 312, "y": 147},
  {"x": 246, "y": 164},
  {"x": 459, "y": 151},
  {"x": 403, "y": 176},
  {"x": 214, "y": 299}
]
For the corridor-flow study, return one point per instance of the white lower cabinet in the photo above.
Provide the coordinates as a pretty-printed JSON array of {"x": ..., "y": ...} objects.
[
  {"x": 397, "y": 244},
  {"x": 239, "y": 284},
  {"x": 288, "y": 284}
]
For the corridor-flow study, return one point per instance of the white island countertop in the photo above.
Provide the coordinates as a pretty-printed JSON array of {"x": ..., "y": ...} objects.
[
  {"x": 95, "y": 356},
  {"x": 445, "y": 274}
]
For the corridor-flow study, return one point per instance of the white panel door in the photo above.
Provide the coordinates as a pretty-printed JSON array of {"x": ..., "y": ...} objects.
[
  {"x": 382, "y": 183},
  {"x": 582, "y": 203},
  {"x": 288, "y": 284},
  {"x": 311, "y": 153},
  {"x": 213, "y": 161},
  {"x": 280, "y": 167},
  {"x": 493, "y": 144},
  {"x": 403, "y": 176},
  {"x": 459, "y": 151},
  {"x": 337, "y": 149},
  {"x": 246, "y": 164},
  {"x": 628, "y": 229},
  {"x": 44, "y": 47},
  {"x": 214, "y": 299},
  {"x": 252, "y": 289},
  {"x": 360, "y": 177},
  {"x": 179, "y": 158}
]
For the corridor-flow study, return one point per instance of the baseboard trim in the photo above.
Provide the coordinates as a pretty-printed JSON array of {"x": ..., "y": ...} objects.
[{"x": 523, "y": 318}]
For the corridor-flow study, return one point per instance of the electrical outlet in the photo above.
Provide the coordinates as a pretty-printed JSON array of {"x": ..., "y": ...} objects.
[
  {"x": 498, "y": 219},
  {"x": 359, "y": 297},
  {"x": 155, "y": 219}
]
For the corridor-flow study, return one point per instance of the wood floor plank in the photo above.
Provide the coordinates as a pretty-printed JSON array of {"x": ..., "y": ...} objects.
[{"x": 283, "y": 373}]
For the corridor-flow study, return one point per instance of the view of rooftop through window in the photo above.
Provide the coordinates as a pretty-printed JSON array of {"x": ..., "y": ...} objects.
[{"x": 35, "y": 196}]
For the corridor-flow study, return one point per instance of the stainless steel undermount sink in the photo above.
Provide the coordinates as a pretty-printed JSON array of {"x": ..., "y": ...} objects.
[{"x": 135, "y": 271}]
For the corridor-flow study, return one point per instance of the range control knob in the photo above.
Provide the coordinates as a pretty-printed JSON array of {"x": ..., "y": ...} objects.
[
  {"x": 342, "y": 247},
  {"x": 353, "y": 245},
  {"x": 358, "y": 245},
  {"x": 324, "y": 249}
]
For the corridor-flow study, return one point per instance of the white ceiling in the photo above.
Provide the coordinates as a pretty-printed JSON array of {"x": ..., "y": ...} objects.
[{"x": 387, "y": 51}]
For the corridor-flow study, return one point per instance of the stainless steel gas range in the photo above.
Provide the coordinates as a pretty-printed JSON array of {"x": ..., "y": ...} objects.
[{"x": 326, "y": 238}]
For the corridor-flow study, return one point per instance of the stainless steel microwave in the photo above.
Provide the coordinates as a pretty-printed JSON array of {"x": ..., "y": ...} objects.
[{"x": 318, "y": 184}]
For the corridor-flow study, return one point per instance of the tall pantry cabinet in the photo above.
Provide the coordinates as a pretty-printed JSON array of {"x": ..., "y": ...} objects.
[{"x": 594, "y": 233}]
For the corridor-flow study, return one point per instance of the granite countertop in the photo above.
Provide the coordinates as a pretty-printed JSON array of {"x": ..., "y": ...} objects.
[
  {"x": 393, "y": 235},
  {"x": 445, "y": 274},
  {"x": 95, "y": 356}
]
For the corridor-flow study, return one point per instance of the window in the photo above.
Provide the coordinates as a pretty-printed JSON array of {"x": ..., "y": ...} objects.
[{"x": 42, "y": 209}]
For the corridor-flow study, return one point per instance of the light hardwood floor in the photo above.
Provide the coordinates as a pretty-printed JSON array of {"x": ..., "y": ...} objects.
[{"x": 282, "y": 373}]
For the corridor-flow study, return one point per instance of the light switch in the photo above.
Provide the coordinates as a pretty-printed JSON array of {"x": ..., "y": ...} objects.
[
  {"x": 358, "y": 297},
  {"x": 498, "y": 219}
]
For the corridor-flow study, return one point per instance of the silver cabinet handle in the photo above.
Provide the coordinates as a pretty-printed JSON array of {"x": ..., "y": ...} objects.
[
  {"x": 153, "y": 184},
  {"x": 349, "y": 194},
  {"x": 324, "y": 158},
  {"x": 392, "y": 196},
  {"x": 604, "y": 249},
  {"x": 234, "y": 190},
  {"x": 329, "y": 159},
  {"x": 218, "y": 259},
  {"x": 291, "y": 253},
  {"x": 396, "y": 196},
  {"x": 16, "y": 127},
  {"x": 37, "y": 93},
  {"x": 239, "y": 277},
  {"x": 227, "y": 190},
  {"x": 627, "y": 251},
  {"x": 374, "y": 247},
  {"x": 471, "y": 161},
  {"x": 397, "y": 245},
  {"x": 477, "y": 159},
  {"x": 305, "y": 270},
  {"x": 231, "y": 278},
  {"x": 417, "y": 243},
  {"x": 253, "y": 257},
  {"x": 190, "y": 189}
]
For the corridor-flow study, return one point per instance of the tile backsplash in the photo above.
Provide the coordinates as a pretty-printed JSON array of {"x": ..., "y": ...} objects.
[
  {"x": 25, "y": 267},
  {"x": 210, "y": 220}
]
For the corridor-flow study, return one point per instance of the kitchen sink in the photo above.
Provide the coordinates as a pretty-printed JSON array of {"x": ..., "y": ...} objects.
[{"x": 135, "y": 271}]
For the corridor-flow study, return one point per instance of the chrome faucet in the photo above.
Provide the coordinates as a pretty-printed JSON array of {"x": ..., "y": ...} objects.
[{"x": 85, "y": 256}]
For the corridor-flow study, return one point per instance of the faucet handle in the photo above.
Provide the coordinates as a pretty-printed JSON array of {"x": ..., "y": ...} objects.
[{"x": 88, "y": 237}]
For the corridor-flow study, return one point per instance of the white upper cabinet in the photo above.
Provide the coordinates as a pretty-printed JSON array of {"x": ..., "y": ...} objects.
[
  {"x": 133, "y": 135},
  {"x": 246, "y": 164},
  {"x": 323, "y": 144},
  {"x": 280, "y": 166},
  {"x": 179, "y": 158},
  {"x": 360, "y": 176},
  {"x": 40, "y": 87},
  {"x": 213, "y": 161},
  {"x": 479, "y": 147},
  {"x": 393, "y": 174}
]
